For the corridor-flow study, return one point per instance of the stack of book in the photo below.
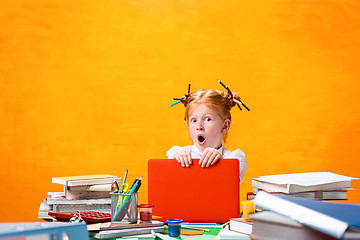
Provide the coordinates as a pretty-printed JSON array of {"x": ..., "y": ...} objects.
[
  {"x": 310, "y": 185},
  {"x": 112, "y": 230},
  {"x": 298, "y": 218},
  {"x": 81, "y": 193}
]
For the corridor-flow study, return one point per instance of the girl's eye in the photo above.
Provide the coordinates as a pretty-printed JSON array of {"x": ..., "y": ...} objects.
[
  {"x": 193, "y": 120},
  {"x": 207, "y": 119}
]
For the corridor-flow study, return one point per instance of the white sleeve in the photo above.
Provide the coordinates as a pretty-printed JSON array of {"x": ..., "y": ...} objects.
[
  {"x": 172, "y": 151},
  {"x": 241, "y": 156}
]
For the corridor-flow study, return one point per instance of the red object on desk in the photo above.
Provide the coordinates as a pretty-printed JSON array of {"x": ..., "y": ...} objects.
[
  {"x": 88, "y": 217},
  {"x": 194, "y": 194}
]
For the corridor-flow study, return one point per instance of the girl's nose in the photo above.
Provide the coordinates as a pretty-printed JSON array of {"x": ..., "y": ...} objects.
[{"x": 199, "y": 127}]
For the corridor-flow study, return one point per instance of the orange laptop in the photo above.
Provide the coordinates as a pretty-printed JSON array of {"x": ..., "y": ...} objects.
[{"x": 194, "y": 194}]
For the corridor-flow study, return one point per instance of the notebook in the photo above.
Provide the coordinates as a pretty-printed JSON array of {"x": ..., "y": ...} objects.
[{"x": 194, "y": 194}]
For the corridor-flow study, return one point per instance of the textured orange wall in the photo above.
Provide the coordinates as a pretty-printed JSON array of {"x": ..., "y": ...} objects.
[{"x": 85, "y": 87}]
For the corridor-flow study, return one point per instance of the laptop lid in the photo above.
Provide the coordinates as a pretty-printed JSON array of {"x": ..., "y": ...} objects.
[{"x": 194, "y": 194}]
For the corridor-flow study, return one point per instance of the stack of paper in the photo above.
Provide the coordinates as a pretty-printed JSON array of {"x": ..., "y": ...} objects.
[{"x": 312, "y": 185}]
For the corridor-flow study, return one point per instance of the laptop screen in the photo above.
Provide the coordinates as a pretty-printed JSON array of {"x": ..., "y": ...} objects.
[{"x": 194, "y": 194}]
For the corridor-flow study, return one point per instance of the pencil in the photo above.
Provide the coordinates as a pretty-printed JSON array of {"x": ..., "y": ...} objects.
[{"x": 175, "y": 103}]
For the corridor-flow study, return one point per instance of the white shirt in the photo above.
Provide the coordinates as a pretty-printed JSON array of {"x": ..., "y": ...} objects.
[{"x": 195, "y": 153}]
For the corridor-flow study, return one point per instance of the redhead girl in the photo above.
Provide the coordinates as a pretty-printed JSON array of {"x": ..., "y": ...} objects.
[{"x": 208, "y": 118}]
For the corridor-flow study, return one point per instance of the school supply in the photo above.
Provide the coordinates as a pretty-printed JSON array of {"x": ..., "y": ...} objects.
[
  {"x": 88, "y": 192},
  {"x": 302, "y": 182},
  {"x": 237, "y": 101},
  {"x": 81, "y": 193},
  {"x": 270, "y": 225},
  {"x": 194, "y": 194},
  {"x": 88, "y": 217},
  {"x": 226, "y": 233},
  {"x": 85, "y": 180},
  {"x": 241, "y": 225},
  {"x": 124, "y": 211},
  {"x": 340, "y": 194},
  {"x": 115, "y": 230},
  {"x": 125, "y": 203},
  {"x": 43, "y": 231},
  {"x": 334, "y": 219}
]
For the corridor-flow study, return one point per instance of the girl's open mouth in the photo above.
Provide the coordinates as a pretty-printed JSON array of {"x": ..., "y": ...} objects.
[{"x": 201, "y": 140}]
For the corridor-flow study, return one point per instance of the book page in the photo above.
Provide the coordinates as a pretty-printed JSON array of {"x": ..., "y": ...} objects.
[{"x": 305, "y": 179}]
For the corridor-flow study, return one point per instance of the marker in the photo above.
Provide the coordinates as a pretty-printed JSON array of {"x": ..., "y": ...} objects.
[
  {"x": 117, "y": 186},
  {"x": 178, "y": 99},
  {"x": 175, "y": 103},
  {"x": 136, "y": 179},
  {"x": 189, "y": 88},
  {"x": 139, "y": 184}
]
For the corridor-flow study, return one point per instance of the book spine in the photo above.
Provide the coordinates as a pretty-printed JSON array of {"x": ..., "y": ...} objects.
[{"x": 303, "y": 215}]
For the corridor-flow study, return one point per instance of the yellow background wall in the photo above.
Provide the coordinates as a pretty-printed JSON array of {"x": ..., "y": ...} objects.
[{"x": 85, "y": 87}]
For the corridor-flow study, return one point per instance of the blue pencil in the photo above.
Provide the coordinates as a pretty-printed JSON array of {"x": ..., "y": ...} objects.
[{"x": 175, "y": 103}]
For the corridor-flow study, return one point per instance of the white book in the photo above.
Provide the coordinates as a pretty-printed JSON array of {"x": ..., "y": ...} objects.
[
  {"x": 302, "y": 182},
  {"x": 125, "y": 232},
  {"x": 78, "y": 201},
  {"x": 240, "y": 225},
  {"x": 336, "y": 194},
  {"x": 225, "y": 233},
  {"x": 86, "y": 180}
]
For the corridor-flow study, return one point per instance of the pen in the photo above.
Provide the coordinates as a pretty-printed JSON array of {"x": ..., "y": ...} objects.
[
  {"x": 194, "y": 228},
  {"x": 189, "y": 88},
  {"x": 123, "y": 182}
]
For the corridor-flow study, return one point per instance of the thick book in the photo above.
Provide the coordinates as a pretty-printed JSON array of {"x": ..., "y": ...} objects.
[
  {"x": 88, "y": 192},
  {"x": 86, "y": 180},
  {"x": 241, "y": 225},
  {"x": 338, "y": 194},
  {"x": 270, "y": 225},
  {"x": 302, "y": 182},
  {"x": 334, "y": 219}
]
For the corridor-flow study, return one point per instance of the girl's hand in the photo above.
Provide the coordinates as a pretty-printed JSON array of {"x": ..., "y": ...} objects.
[
  {"x": 209, "y": 157},
  {"x": 183, "y": 156}
]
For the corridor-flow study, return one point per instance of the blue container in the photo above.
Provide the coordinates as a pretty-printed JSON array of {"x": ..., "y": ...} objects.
[{"x": 174, "y": 227}]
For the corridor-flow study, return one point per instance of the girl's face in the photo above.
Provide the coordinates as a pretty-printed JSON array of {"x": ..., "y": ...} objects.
[{"x": 206, "y": 127}]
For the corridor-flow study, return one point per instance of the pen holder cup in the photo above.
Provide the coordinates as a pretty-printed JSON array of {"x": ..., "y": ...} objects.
[{"x": 124, "y": 207}]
